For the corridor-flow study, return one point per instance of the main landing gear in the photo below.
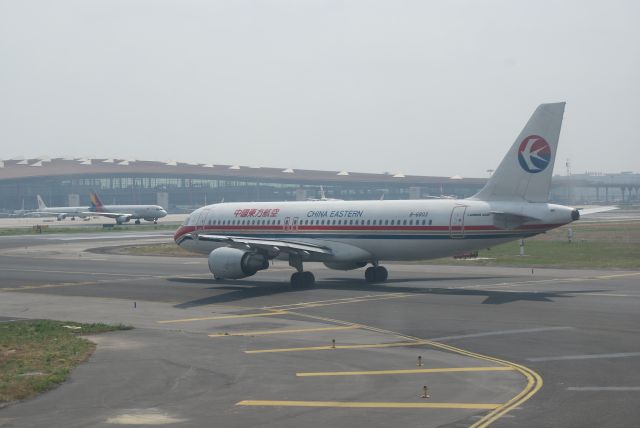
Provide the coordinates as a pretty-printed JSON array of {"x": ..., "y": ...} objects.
[
  {"x": 375, "y": 274},
  {"x": 301, "y": 278}
]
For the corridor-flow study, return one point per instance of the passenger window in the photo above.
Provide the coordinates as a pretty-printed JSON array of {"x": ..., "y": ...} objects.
[
  {"x": 386, "y": 222},
  {"x": 392, "y": 221},
  {"x": 429, "y": 222},
  {"x": 350, "y": 222},
  {"x": 368, "y": 222},
  {"x": 404, "y": 222}
]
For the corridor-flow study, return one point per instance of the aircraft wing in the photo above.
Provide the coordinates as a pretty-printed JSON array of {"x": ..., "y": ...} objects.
[
  {"x": 109, "y": 215},
  {"x": 42, "y": 214},
  {"x": 595, "y": 210},
  {"x": 271, "y": 245}
]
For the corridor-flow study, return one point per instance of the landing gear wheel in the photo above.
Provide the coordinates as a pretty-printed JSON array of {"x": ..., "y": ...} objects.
[
  {"x": 138, "y": 221},
  {"x": 302, "y": 279},
  {"x": 155, "y": 221},
  {"x": 375, "y": 274}
]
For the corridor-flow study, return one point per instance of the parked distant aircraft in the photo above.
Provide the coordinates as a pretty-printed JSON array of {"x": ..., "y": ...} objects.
[
  {"x": 59, "y": 212},
  {"x": 241, "y": 238},
  {"x": 124, "y": 213},
  {"x": 120, "y": 213}
]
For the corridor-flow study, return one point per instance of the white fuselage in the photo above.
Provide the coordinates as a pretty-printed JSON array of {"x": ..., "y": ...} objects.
[
  {"x": 374, "y": 230},
  {"x": 147, "y": 212}
]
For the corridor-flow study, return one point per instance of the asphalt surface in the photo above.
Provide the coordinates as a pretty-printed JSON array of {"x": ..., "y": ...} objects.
[{"x": 503, "y": 347}]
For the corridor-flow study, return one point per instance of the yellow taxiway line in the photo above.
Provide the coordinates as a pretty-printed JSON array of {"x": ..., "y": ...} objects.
[
  {"x": 410, "y": 371},
  {"x": 283, "y": 331},
  {"x": 224, "y": 317},
  {"x": 330, "y": 347},
  {"x": 314, "y": 304},
  {"x": 373, "y": 405}
]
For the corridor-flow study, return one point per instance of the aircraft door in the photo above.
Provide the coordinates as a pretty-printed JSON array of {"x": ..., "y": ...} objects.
[
  {"x": 456, "y": 222},
  {"x": 286, "y": 225},
  {"x": 294, "y": 226}
]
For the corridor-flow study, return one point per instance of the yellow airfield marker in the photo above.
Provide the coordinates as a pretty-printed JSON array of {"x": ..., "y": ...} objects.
[
  {"x": 410, "y": 371},
  {"x": 370, "y": 405},
  {"x": 283, "y": 331},
  {"x": 224, "y": 317},
  {"x": 322, "y": 348}
]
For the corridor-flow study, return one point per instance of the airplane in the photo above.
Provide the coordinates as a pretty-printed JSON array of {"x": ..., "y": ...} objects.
[
  {"x": 242, "y": 238},
  {"x": 124, "y": 213},
  {"x": 120, "y": 213},
  {"x": 323, "y": 197},
  {"x": 59, "y": 212}
]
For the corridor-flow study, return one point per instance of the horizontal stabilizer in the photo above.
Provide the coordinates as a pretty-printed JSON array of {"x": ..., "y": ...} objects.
[{"x": 588, "y": 211}]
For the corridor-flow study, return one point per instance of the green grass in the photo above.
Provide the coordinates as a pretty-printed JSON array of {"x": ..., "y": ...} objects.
[
  {"x": 167, "y": 250},
  {"x": 37, "y": 355},
  {"x": 85, "y": 229},
  {"x": 595, "y": 245}
]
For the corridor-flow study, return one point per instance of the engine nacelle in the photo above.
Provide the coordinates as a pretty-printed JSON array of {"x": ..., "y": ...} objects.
[
  {"x": 232, "y": 263},
  {"x": 61, "y": 217},
  {"x": 122, "y": 219},
  {"x": 345, "y": 265}
]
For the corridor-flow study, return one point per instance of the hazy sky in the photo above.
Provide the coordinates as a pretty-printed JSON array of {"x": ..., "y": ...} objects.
[{"x": 420, "y": 87}]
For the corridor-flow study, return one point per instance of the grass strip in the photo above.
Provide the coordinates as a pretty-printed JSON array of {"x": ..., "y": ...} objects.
[
  {"x": 37, "y": 355},
  {"x": 46, "y": 229}
]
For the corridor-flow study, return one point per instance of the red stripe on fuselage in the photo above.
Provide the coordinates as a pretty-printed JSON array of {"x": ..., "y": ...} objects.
[{"x": 182, "y": 230}]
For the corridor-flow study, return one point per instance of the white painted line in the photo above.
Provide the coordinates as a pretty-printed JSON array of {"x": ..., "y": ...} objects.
[
  {"x": 499, "y": 333},
  {"x": 586, "y": 357},
  {"x": 604, "y": 388}
]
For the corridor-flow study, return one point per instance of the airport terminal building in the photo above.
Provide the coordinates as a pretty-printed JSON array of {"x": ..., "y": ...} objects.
[{"x": 180, "y": 187}]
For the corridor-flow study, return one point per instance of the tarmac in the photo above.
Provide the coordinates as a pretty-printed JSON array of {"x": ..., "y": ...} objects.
[{"x": 500, "y": 347}]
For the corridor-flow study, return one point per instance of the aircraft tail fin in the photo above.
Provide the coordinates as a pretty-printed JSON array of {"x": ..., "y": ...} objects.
[
  {"x": 41, "y": 204},
  {"x": 96, "y": 203},
  {"x": 525, "y": 172}
]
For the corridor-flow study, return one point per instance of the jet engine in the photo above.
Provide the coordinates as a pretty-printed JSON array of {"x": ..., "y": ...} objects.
[
  {"x": 232, "y": 263},
  {"x": 345, "y": 265},
  {"x": 61, "y": 216},
  {"x": 122, "y": 219}
]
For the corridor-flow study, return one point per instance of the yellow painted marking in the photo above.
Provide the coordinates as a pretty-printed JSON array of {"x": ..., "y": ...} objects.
[
  {"x": 618, "y": 275},
  {"x": 410, "y": 371},
  {"x": 224, "y": 317},
  {"x": 534, "y": 381},
  {"x": 374, "y": 404},
  {"x": 329, "y": 347},
  {"x": 283, "y": 331},
  {"x": 610, "y": 295},
  {"x": 76, "y": 272},
  {"x": 357, "y": 299}
]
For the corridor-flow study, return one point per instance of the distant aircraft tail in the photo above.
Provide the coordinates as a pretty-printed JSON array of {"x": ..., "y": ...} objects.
[
  {"x": 96, "y": 203},
  {"x": 41, "y": 204},
  {"x": 525, "y": 172}
]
